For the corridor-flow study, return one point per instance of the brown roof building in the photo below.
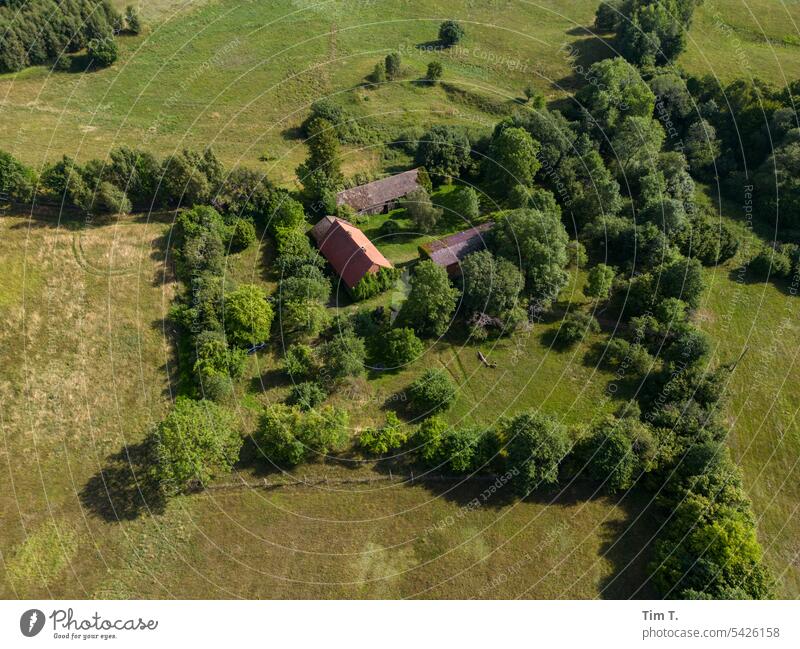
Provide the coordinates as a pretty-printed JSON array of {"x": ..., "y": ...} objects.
[
  {"x": 379, "y": 195},
  {"x": 449, "y": 252},
  {"x": 347, "y": 249}
]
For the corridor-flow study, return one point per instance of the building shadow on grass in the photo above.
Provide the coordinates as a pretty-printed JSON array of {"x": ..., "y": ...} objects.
[{"x": 124, "y": 488}]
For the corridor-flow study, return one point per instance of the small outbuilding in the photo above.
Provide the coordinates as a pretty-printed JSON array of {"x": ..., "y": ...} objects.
[
  {"x": 348, "y": 250},
  {"x": 449, "y": 252},
  {"x": 380, "y": 195}
]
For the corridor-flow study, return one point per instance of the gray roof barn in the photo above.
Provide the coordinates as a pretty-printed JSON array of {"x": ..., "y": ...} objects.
[
  {"x": 449, "y": 252},
  {"x": 377, "y": 195}
]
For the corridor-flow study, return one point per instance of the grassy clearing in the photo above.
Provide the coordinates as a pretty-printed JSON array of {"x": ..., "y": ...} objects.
[{"x": 240, "y": 76}]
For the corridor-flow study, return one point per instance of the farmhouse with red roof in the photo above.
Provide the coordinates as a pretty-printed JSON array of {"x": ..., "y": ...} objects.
[{"x": 348, "y": 250}]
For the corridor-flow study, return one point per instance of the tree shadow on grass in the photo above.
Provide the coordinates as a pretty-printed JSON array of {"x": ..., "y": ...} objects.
[{"x": 124, "y": 488}]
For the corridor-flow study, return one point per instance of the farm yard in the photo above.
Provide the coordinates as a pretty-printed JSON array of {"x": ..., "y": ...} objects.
[{"x": 610, "y": 369}]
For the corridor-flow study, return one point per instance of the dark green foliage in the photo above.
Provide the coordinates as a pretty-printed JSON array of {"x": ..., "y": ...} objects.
[
  {"x": 248, "y": 316},
  {"x": 536, "y": 242},
  {"x": 770, "y": 263},
  {"x": 306, "y": 395},
  {"x": 17, "y": 182},
  {"x": 608, "y": 15},
  {"x": 299, "y": 361},
  {"x": 400, "y": 347},
  {"x": 707, "y": 239},
  {"x": 250, "y": 195},
  {"x": 421, "y": 211},
  {"x": 430, "y": 304},
  {"x": 343, "y": 356},
  {"x": 491, "y": 285},
  {"x": 392, "y": 64},
  {"x": 512, "y": 159},
  {"x": 702, "y": 147},
  {"x": 189, "y": 178},
  {"x": 466, "y": 204},
  {"x": 683, "y": 279},
  {"x": 428, "y": 439},
  {"x": 654, "y": 31},
  {"x": 635, "y": 146},
  {"x": 432, "y": 392},
  {"x": 378, "y": 75},
  {"x": 536, "y": 445},
  {"x": 434, "y": 72},
  {"x": 132, "y": 21},
  {"x": 195, "y": 443},
  {"x": 628, "y": 360},
  {"x": 288, "y": 436},
  {"x": 102, "y": 51},
  {"x": 243, "y": 234},
  {"x": 450, "y": 32},
  {"x": 387, "y": 438},
  {"x": 373, "y": 284},
  {"x": 137, "y": 173},
  {"x": 575, "y": 327},
  {"x": 443, "y": 151},
  {"x": 38, "y": 31},
  {"x": 64, "y": 183}
]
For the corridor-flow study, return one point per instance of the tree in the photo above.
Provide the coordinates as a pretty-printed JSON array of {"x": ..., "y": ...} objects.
[
  {"x": 248, "y": 316},
  {"x": 288, "y": 436},
  {"x": 574, "y": 327},
  {"x": 443, "y": 151},
  {"x": 636, "y": 145},
  {"x": 378, "y": 74},
  {"x": 608, "y": 15},
  {"x": 466, "y": 204},
  {"x": 393, "y": 65},
  {"x": 288, "y": 214},
  {"x": 430, "y": 304},
  {"x": 535, "y": 99},
  {"x": 343, "y": 356},
  {"x": 599, "y": 282},
  {"x": 615, "y": 91},
  {"x": 683, "y": 279},
  {"x": 654, "y": 32},
  {"x": 536, "y": 445},
  {"x": 491, "y": 285},
  {"x": 429, "y": 438},
  {"x": 17, "y": 182},
  {"x": 512, "y": 158},
  {"x": 701, "y": 146},
  {"x": 537, "y": 243},
  {"x": 432, "y": 392},
  {"x": 401, "y": 346},
  {"x": 243, "y": 234},
  {"x": 136, "y": 172},
  {"x": 421, "y": 210},
  {"x": 450, "y": 33},
  {"x": 103, "y": 51},
  {"x": 321, "y": 173},
  {"x": 380, "y": 441},
  {"x": 110, "y": 199},
  {"x": 132, "y": 20},
  {"x": 194, "y": 443},
  {"x": 608, "y": 452},
  {"x": 434, "y": 72},
  {"x": 299, "y": 361}
]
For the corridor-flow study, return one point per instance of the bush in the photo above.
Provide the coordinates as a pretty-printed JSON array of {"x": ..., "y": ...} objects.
[
  {"x": 459, "y": 449},
  {"x": 428, "y": 439},
  {"x": 243, "y": 234},
  {"x": 770, "y": 263},
  {"x": 536, "y": 445},
  {"x": 288, "y": 436},
  {"x": 344, "y": 356},
  {"x": 306, "y": 395},
  {"x": 431, "y": 302},
  {"x": 392, "y": 63},
  {"x": 421, "y": 210},
  {"x": 599, "y": 282},
  {"x": 574, "y": 327},
  {"x": 608, "y": 452},
  {"x": 195, "y": 443},
  {"x": 401, "y": 346},
  {"x": 433, "y": 392},
  {"x": 102, "y": 51},
  {"x": 450, "y": 32},
  {"x": 389, "y": 437},
  {"x": 110, "y": 199},
  {"x": 373, "y": 284},
  {"x": 299, "y": 361},
  {"x": 248, "y": 316},
  {"x": 132, "y": 20},
  {"x": 434, "y": 72}
]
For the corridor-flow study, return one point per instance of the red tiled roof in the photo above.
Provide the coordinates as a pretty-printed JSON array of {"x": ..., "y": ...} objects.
[
  {"x": 450, "y": 250},
  {"x": 351, "y": 254},
  {"x": 379, "y": 192}
]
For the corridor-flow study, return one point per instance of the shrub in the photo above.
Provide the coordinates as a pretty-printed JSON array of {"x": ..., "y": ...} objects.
[
  {"x": 431, "y": 302},
  {"x": 389, "y": 437},
  {"x": 288, "y": 436},
  {"x": 450, "y": 32},
  {"x": 432, "y": 392},
  {"x": 434, "y": 72},
  {"x": 195, "y": 443},
  {"x": 243, "y": 234},
  {"x": 599, "y": 282},
  {"x": 373, "y": 284},
  {"x": 421, "y": 210},
  {"x": 378, "y": 74},
  {"x": 344, "y": 356},
  {"x": 536, "y": 445},
  {"x": 306, "y": 395},
  {"x": 248, "y": 316},
  {"x": 575, "y": 326},
  {"x": 401, "y": 346},
  {"x": 392, "y": 63},
  {"x": 428, "y": 439},
  {"x": 770, "y": 263},
  {"x": 299, "y": 361},
  {"x": 132, "y": 20},
  {"x": 102, "y": 51},
  {"x": 110, "y": 199},
  {"x": 608, "y": 452},
  {"x": 459, "y": 449}
]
